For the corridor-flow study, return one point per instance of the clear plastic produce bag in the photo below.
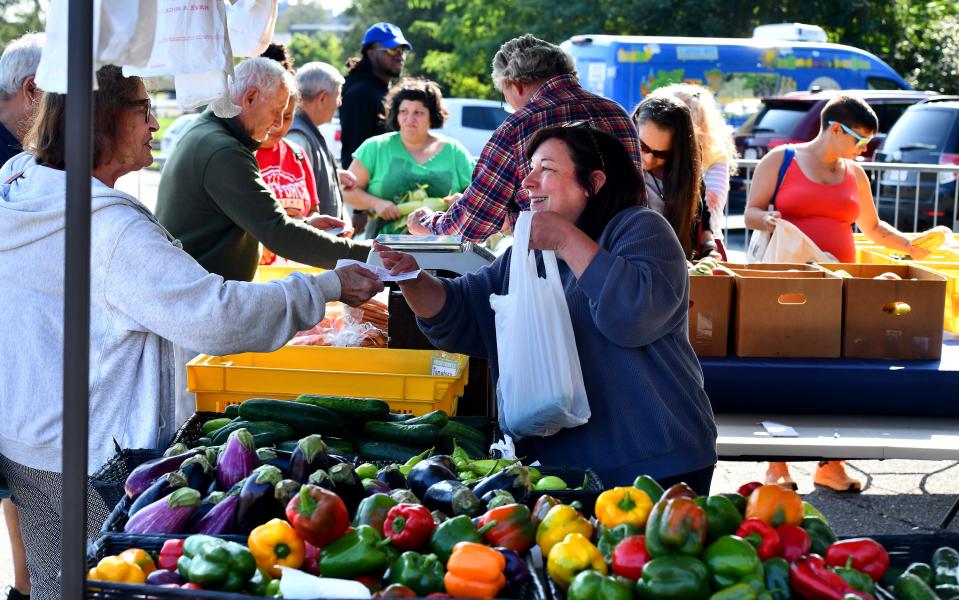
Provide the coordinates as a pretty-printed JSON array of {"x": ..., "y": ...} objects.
[{"x": 540, "y": 388}]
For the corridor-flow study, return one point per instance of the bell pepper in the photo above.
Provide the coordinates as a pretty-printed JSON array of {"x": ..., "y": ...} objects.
[
  {"x": 395, "y": 590},
  {"x": 311, "y": 559},
  {"x": 514, "y": 527},
  {"x": 739, "y": 591},
  {"x": 620, "y": 505},
  {"x": 259, "y": 584},
  {"x": 674, "y": 577},
  {"x": 609, "y": 538},
  {"x": 679, "y": 490},
  {"x": 421, "y": 573},
  {"x": 453, "y": 531},
  {"x": 140, "y": 558},
  {"x": 722, "y": 516},
  {"x": 821, "y": 535},
  {"x": 216, "y": 564},
  {"x": 360, "y": 551},
  {"x": 730, "y": 560},
  {"x": 738, "y": 500},
  {"x": 170, "y": 553},
  {"x": 746, "y": 489},
  {"x": 649, "y": 485},
  {"x": 542, "y": 507},
  {"x": 319, "y": 516},
  {"x": 776, "y": 577},
  {"x": 590, "y": 585},
  {"x": 574, "y": 554},
  {"x": 775, "y": 506},
  {"x": 276, "y": 544},
  {"x": 517, "y": 573},
  {"x": 762, "y": 536},
  {"x": 372, "y": 511},
  {"x": 630, "y": 556},
  {"x": 474, "y": 571},
  {"x": 560, "y": 521},
  {"x": 794, "y": 541},
  {"x": 867, "y": 556},
  {"x": 408, "y": 526},
  {"x": 811, "y": 579},
  {"x": 118, "y": 570},
  {"x": 675, "y": 526},
  {"x": 854, "y": 577}
]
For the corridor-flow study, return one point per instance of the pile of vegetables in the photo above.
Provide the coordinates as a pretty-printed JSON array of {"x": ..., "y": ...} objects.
[
  {"x": 407, "y": 203},
  {"x": 706, "y": 267}
]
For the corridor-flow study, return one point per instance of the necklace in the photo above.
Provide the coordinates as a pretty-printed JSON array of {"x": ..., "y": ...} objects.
[{"x": 658, "y": 186}]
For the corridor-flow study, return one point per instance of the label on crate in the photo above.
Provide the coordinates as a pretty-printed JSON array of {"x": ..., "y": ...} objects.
[{"x": 444, "y": 367}]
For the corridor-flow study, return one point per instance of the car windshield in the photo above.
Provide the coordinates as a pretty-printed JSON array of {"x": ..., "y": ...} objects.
[
  {"x": 483, "y": 117},
  {"x": 776, "y": 119},
  {"x": 926, "y": 129}
]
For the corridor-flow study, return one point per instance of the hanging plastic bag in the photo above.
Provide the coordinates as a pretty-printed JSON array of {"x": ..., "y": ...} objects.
[
  {"x": 758, "y": 243},
  {"x": 540, "y": 388},
  {"x": 251, "y": 25},
  {"x": 788, "y": 244}
]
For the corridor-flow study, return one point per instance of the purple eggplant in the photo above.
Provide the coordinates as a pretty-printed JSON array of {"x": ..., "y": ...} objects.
[
  {"x": 310, "y": 455},
  {"x": 347, "y": 485},
  {"x": 392, "y": 477},
  {"x": 452, "y": 498},
  {"x": 495, "y": 498},
  {"x": 427, "y": 472},
  {"x": 198, "y": 472},
  {"x": 221, "y": 519},
  {"x": 375, "y": 486},
  {"x": 165, "y": 577},
  {"x": 160, "y": 489},
  {"x": 206, "y": 505},
  {"x": 175, "y": 449},
  {"x": 404, "y": 497},
  {"x": 166, "y": 515},
  {"x": 278, "y": 458},
  {"x": 238, "y": 459},
  {"x": 516, "y": 571},
  {"x": 339, "y": 459},
  {"x": 515, "y": 479},
  {"x": 258, "y": 502},
  {"x": 286, "y": 490},
  {"x": 143, "y": 476}
]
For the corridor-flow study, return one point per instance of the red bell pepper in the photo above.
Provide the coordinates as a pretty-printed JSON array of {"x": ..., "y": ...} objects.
[
  {"x": 319, "y": 516},
  {"x": 542, "y": 506},
  {"x": 747, "y": 488},
  {"x": 311, "y": 559},
  {"x": 630, "y": 556},
  {"x": 513, "y": 527},
  {"x": 867, "y": 556},
  {"x": 408, "y": 526},
  {"x": 794, "y": 540},
  {"x": 170, "y": 553},
  {"x": 762, "y": 536},
  {"x": 811, "y": 579}
]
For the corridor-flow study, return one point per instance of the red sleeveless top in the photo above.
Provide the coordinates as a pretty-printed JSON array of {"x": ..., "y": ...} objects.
[{"x": 824, "y": 212}]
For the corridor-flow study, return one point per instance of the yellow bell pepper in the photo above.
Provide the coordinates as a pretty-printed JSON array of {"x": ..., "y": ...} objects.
[
  {"x": 118, "y": 570},
  {"x": 560, "y": 521},
  {"x": 623, "y": 505},
  {"x": 140, "y": 558},
  {"x": 574, "y": 554},
  {"x": 275, "y": 544}
]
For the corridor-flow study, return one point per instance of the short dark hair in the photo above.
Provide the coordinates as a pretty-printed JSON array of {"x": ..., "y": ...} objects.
[
  {"x": 422, "y": 90},
  {"x": 113, "y": 97},
  {"x": 595, "y": 150},
  {"x": 281, "y": 54},
  {"x": 851, "y": 111}
]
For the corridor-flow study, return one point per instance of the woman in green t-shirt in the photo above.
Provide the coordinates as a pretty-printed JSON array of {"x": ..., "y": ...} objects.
[{"x": 410, "y": 157}]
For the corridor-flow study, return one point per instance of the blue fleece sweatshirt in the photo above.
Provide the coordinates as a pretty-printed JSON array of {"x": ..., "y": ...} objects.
[{"x": 650, "y": 413}]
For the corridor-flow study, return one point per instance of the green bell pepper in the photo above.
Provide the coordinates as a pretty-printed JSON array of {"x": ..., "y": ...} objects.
[
  {"x": 820, "y": 534},
  {"x": 722, "y": 516},
  {"x": 216, "y": 564},
  {"x": 362, "y": 551},
  {"x": 421, "y": 573},
  {"x": 592, "y": 585},
  {"x": 453, "y": 531},
  {"x": 738, "y": 500},
  {"x": 609, "y": 538},
  {"x": 674, "y": 577},
  {"x": 649, "y": 485},
  {"x": 675, "y": 526},
  {"x": 739, "y": 591},
  {"x": 855, "y": 579},
  {"x": 776, "y": 576},
  {"x": 372, "y": 511},
  {"x": 730, "y": 560}
]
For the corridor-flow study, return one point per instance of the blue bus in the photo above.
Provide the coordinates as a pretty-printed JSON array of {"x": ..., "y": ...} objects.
[{"x": 739, "y": 71}]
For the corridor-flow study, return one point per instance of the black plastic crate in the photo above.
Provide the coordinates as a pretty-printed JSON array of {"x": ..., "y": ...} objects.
[
  {"x": 109, "y": 480},
  {"x": 192, "y": 429},
  {"x": 574, "y": 477}
]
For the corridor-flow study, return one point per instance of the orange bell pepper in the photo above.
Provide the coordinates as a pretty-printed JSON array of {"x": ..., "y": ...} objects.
[
  {"x": 474, "y": 571},
  {"x": 775, "y": 506},
  {"x": 140, "y": 558},
  {"x": 275, "y": 544},
  {"x": 115, "y": 569}
]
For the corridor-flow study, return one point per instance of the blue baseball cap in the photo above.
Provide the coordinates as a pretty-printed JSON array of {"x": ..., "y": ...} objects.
[{"x": 387, "y": 35}]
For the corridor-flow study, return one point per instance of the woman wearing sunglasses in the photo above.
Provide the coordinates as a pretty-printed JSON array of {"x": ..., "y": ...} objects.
[{"x": 823, "y": 192}]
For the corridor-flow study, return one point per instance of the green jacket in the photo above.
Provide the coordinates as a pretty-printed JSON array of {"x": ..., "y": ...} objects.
[{"x": 212, "y": 198}]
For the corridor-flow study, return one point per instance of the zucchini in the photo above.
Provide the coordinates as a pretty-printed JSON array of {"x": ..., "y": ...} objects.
[
  {"x": 214, "y": 424},
  {"x": 461, "y": 432},
  {"x": 303, "y": 418},
  {"x": 203, "y": 441},
  {"x": 437, "y": 417},
  {"x": 385, "y": 451},
  {"x": 281, "y": 431},
  {"x": 423, "y": 436},
  {"x": 397, "y": 417},
  {"x": 475, "y": 421},
  {"x": 232, "y": 411},
  {"x": 354, "y": 409}
]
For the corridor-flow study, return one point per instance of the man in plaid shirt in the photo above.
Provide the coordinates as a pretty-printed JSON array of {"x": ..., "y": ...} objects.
[{"x": 539, "y": 81}]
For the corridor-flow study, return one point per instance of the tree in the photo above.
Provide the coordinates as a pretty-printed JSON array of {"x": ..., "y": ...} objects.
[
  {"x": 19, "y": 17},
  {"x": 303, "y": 12},
  {"x": 322, "y": 47}
]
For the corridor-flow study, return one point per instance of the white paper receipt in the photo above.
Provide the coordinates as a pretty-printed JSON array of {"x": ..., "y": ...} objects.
[
  {"x": 778, "y": 429},
  {"x": 380, "y": 272}
]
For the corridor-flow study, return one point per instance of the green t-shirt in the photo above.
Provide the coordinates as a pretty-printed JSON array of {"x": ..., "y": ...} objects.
[{"x": 393, "y": 171}]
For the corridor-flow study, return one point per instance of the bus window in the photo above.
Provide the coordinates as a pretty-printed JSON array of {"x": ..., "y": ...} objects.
[{"x": 881, "y": 83}]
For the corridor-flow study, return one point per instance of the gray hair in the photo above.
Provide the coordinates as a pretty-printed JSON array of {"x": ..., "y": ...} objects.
[
  {"x": 527, "y": 59},
  {"x": 264, "y": 74},
  {"x": 314, "y": 78},
  {"x": 19, "y": 61}
]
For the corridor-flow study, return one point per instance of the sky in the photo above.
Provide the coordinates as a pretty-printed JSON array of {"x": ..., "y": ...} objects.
[{"x": 337, "y": 6}]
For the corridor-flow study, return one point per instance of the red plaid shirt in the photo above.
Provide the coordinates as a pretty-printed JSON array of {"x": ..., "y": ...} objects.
[{"x": 495, "y": 192}]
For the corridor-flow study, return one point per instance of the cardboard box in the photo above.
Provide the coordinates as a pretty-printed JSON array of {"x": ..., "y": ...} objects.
[
  {"x": 787, "y": 310},
  {"x": 710, "y": 313},
  {"x": 951, "y": 273},
  {"x": 873, "y": 328}
]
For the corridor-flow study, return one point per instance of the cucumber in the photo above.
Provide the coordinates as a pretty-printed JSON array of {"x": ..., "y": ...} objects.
[
  {"x": 265, "y": 439},
  {"x": 303, "y": 418},
  {"x": 339, "y": 446},
  {"x": 461, "y": 432},
  {"x": 281, "y": 431},
  {"x": 214, "y": 424},
  {"x": 437, "y": 417},
  {"x": 385, "y": 451},
  {"x": 232, "y": 411},
  {"x": 475, "y": 421},
  {"x": 354, "y": 409},
  {"x": 203, "y": 441},
  {"x": 423, "y": 436},
  {"x": 397, "y": 417}
]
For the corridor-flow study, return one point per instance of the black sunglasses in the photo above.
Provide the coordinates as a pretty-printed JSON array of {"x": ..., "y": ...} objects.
[
  {"x": 592, "y": 137},
  {"x": 660, "y": 154}
]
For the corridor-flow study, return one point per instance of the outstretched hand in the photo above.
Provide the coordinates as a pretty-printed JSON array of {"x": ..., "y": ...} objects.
[
  {"x": 397, "y": 262},
  {"x": 357, "y": 285}
]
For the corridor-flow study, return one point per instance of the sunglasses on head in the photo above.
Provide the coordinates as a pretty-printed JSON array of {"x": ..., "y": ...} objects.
[
  {"x": 660, "y": 154},
  {"x": 861, "y": 140},
  {"x": 592, "y": 137}
]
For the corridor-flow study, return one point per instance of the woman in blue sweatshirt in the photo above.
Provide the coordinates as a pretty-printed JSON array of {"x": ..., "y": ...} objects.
[{"x": 627, "y": 288}]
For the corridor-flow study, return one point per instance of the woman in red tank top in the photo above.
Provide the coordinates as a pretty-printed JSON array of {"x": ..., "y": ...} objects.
[{"x": 824, "y": 192}]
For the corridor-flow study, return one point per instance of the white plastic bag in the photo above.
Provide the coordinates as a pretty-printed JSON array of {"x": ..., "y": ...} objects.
[
  {"x": 757, "y": 246},
  {"x": 251, "y": 25},
  {"x": 540, "y": 388},
  {"x": 788, "y": 244}
]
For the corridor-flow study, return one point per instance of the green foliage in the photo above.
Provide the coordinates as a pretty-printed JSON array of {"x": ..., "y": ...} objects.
[
  {"x": 302, "y": 14},
  {"x": 323, "y": 47},
  {"x": 19, "y": 17}
]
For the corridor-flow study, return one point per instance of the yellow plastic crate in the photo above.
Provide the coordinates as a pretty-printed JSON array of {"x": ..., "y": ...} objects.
[
  {"x": 951, "y": 273},
  {"x": 266, "y": 273},
  {"x": 884, "y": 256},
  {"x": 400, "y": 377}
]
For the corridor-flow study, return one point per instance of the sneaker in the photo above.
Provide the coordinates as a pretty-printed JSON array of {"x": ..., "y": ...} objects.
[
  {"x": 778, "y": 474},
  {"x": 13, "y": 594},
  {"x": 832, "y": 474}
]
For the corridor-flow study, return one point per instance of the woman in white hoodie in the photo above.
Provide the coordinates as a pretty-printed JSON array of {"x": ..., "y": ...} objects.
[{"x": 146, "y": 295}]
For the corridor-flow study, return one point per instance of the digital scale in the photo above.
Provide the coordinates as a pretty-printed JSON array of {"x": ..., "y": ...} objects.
[{"x": 445, "y": 255}]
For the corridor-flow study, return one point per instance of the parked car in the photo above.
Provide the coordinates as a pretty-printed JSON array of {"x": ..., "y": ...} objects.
[
  {"x": 333, "y": 133},
  {"x": 472, "y": 121},
  {"x": 927, "y": 133},
  {"x": 173, "y": 134}
]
